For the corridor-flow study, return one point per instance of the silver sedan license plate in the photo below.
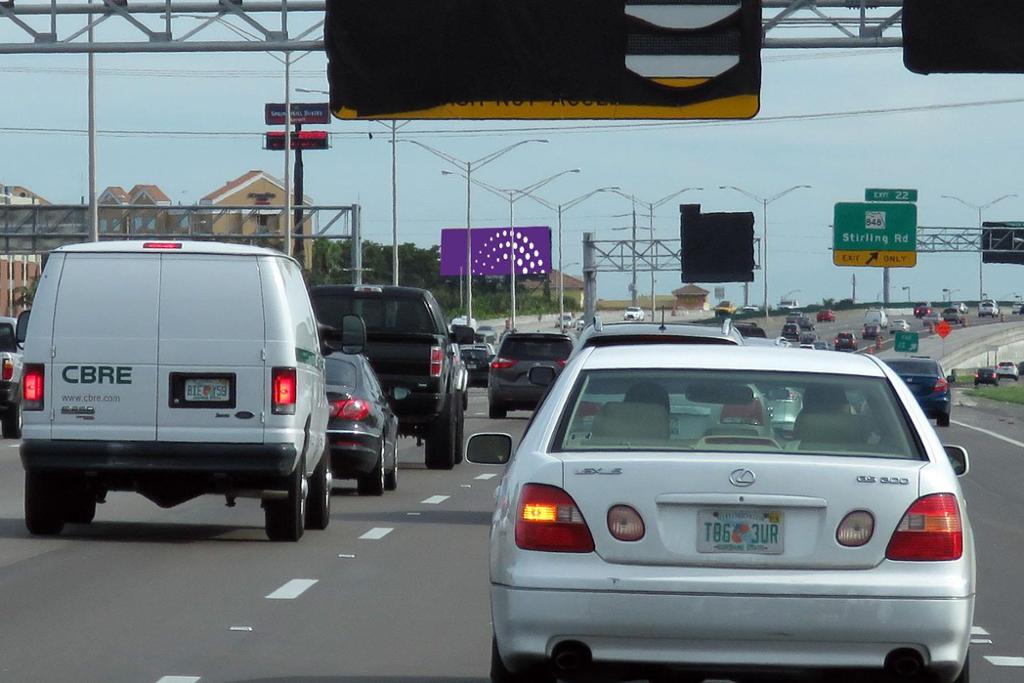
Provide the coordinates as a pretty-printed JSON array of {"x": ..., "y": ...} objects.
[
  {"x": 201, "y": 390},
  {"x": 758, "y": 531}
]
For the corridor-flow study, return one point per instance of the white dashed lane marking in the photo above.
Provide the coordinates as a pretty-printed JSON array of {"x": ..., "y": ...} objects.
[
  {"x": 978, "y": 631},
  {"x": 292, "y": 589},
  {"x": 434, "y": 500},
  {"x": 485, "y": 477},
  {"x": 376, "y": 533},
  {"x": 179, "y": 679},
  {"x": 994, "y": 435},
  {"x": 1005, "y": 661},
  {"x": 980, "y": 641}
]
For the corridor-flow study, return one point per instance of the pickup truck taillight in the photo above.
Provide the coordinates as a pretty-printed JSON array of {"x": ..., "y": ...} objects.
[
  {"x": 436, "y": 360},
  {"x": 283, "y": 391},
  {"x": 32, "y": 386},
  {"x": 8, "y": 371}
]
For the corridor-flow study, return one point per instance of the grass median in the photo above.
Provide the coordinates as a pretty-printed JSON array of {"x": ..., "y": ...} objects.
[{"x": 1008, "y": 394}]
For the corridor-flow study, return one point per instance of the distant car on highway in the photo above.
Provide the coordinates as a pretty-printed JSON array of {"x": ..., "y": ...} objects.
[
  {"x": 845, "y": 341},
  {"x": 928, "y": 383},
  {"x": 988, "y": 308},
  {"x": 633, "y": 314},
  {"x": 1007, "y": 369},
  {"x": 826, "y": 315},
  {"x": 750, "y": 329},
  {"x": 876, "y": 316},
  {"x": 565, "y": 322},
  {"x": 477, "y": 361},
  {"x": 10, "y": 380},
  {"x": 655, "y": 499},
  {"x": 808, "y": 338},
  {"x": 986, "y": 376},
  {"x": 953, "y": 316},
  {"x": 725, "y": 308},
  {"x": 461, "y": 321},
  {"x": 580, "y": 324},
  {"x": 805, "y": 323},
  {"x": 922, "y": 309},
  {"x": 900, "y": 325},
  {"x": 486, "y": 334},
  {"x": 751, "y": 309},
  {"x": 871, "y": 331},
  {"x": 932, "y": 317},
  {"x": 962, "y": 307},
  {"x": 508, "y": 384},
  {"x": 791, "y": 332}
]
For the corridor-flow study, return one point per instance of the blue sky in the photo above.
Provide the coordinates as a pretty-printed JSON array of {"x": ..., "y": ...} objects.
[{"x": 974, "y": 152}]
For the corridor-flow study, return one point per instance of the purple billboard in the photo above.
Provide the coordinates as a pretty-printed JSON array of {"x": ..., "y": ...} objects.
[{"x": 495, "y": 250}]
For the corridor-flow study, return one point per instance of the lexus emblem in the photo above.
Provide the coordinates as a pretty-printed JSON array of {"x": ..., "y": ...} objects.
[{"x": 742, "y": 477}]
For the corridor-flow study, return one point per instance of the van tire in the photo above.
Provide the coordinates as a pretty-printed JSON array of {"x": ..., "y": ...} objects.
[
  {"x": 79, "y": 505},
  {"x": 12, "y": 423},
  {"x": 440, "y": 451},
  {"x": 496, "y": 412},
  {"x": 373, "y": 484},
  {"x": 318, "y": 502},
  {"x": 44, "y": 513},
  {"x": 285, "y": 519}
]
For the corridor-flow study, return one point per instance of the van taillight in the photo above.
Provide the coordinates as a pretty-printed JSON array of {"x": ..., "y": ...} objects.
[
  {"x": 436, "y": 360},
  {"x": 283, "y": 391},
  {"x": 931, "y": 531},
  {"x": 32, "y": 386},
  {"x": 8, "y": 371},
  {"x": 549, "y": 520}
]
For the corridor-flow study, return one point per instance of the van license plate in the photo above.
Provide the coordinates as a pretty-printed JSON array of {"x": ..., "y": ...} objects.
[
  {"x": 203, "y": 390},
  {"x": 758, "y": 532}
]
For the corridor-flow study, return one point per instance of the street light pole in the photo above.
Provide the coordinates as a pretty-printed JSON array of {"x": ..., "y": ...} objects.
[
  {"x": 764, "y": 201},
  {"x": 467, "y": 168},
  {"x": 94, "y": 220},
  {"x": 981, "y": 235}
]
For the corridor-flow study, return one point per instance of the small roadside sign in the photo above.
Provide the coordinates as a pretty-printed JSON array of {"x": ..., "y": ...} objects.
[
  {"x": 889, "y": 195},
  {"x": 302, "y": 113},
  {"x": 943, "y": 329},
  {"x": 875, "y": 234},
  {"x": 906, "y": 342}
]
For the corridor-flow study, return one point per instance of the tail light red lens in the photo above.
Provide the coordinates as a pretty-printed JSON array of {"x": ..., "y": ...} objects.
[
  {"x": 350, "y": 409},
  {"x": 161, "y": 245},
  {"x": 562, "y": 362},
  {"x": 8, "y": 371},
  {"x": 503, "y": 363},
  {"x": 856, "y": 529},
  {"x": 549, "y": 520},
  {"x": 931, "y": 531},
  {"x": 33, "y": 384},
  {"x": 625, "y": 523},
  {"x": 284, "y": 391},
  {"x": 436, "y": 360},
  {"x": 941, "y": 385}
]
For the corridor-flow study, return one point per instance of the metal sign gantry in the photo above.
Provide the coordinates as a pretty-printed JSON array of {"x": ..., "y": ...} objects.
[
  {"x": 627, "y": 255},
  {"x": 52, "y": 27}
]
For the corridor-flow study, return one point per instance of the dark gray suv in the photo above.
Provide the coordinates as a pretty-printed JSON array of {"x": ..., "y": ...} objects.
[{"x": 509, "y": 386}]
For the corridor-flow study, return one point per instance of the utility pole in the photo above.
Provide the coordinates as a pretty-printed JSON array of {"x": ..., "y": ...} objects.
[
  {"x": 288, "y": 227},
  {"x": 94, "y": 214},
  {"x": 394, "y": 205},
  {"x": 853, "y": 296},
  {"x": 632, "y": 288},
  {"x": 885, "y": 286},
  {"x": 301, "y": 245}
]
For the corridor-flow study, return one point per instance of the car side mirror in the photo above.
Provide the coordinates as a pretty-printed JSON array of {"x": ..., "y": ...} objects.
[
  {"x": 542, "y": 376},
  {"x": 958, "y": 459},
  {"x": 349, "y": 339},
  {"x": 463, "y": 334},
  {"x": 951, "y": 379},
  {"x": 489, "y": 449},
  {"x": 21, "y": 330}
]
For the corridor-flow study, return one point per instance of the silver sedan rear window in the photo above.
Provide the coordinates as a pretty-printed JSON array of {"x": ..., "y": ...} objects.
[{"x": 730, "y": 411}]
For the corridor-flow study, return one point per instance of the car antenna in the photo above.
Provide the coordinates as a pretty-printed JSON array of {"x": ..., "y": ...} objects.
[{"x": 662, "y": 328}]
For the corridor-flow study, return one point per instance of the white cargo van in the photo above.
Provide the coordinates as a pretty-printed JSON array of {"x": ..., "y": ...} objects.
[
  {"x": 876, "y": 316},
  {"x": 175, "y": 369}
]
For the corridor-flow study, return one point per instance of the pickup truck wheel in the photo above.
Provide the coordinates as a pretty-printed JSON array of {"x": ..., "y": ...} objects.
[
  {"x": 496, "y": 412},
  {"x": 460, "y": 440},
  {"x": 12, "y": 423},
  {"x": 285, "y": 519},
  {"x": 440, "y": 451},
  {"x": 372, "y": 484},
  {"x": 318, "y": 512},
  {"x": 44, "y": 513}
]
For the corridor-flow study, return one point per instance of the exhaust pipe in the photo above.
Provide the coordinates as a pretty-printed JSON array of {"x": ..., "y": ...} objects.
[
  {"x": 570, "y": 656},
  {"x": 904, "y": 663}
]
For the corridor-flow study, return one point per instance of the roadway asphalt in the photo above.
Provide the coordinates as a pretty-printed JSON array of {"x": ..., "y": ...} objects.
[{"x": 394, "y": 591}]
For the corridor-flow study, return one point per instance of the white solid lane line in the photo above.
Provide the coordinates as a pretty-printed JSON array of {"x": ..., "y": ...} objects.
[
  {"x": 485, "y": 477},
  {"x": 376, "y": 533},
  {"x": 979, "y": 631},
  {"x": 980, "y": 641},
  {"x": 292, "y": 589},
  {"x": 994, "y": 435},
  {"x": 178, "y": 679},
  {"x": 434, "y": 500},
  {"x": 1005, "y": 661}
]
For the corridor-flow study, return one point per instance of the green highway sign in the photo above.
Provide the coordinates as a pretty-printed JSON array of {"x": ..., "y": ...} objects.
[
  {"x": 879, "y": 195},
  {"x": 879, "y": 234},
  {"x": 906, "y": 342}
]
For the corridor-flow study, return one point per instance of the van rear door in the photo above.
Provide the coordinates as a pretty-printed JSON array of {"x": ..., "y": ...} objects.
[
  {"x": 103, "y": 374},
  {"x": 211, "y": 350}
]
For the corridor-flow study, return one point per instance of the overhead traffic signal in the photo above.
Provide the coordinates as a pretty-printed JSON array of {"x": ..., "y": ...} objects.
[{"x": 963, "y": 36}]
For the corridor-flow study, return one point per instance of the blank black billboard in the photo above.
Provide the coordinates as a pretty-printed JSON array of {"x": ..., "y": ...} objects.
[
  {"x": 963, "y": 36},
  {"x": 716, "y": 247},
  {"x": 1002, "y": 243}
]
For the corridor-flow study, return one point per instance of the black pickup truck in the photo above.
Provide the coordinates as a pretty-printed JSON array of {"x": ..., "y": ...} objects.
[{"x": 415, "y": 357}]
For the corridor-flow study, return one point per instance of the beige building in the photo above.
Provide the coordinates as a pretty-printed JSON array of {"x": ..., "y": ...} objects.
[
  {"x": 691, "y": 298},
  {"x": 16, "y": 194},
  {"x": 262, "y": 196},
  {"x": 572, "y": 287},
  {"x": 128, "y": 211}
]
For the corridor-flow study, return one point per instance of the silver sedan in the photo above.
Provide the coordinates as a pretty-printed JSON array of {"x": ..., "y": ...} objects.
[{"x": 659, "y": 521}]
